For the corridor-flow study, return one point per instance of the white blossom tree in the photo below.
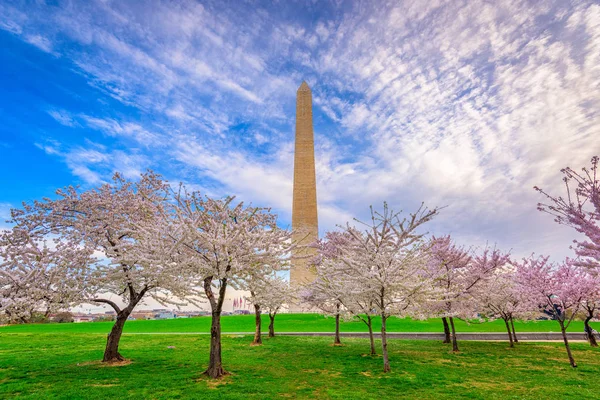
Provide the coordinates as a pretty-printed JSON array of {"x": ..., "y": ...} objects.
[
  {"x": 268, "y": 293},
  {"x": 498, "y": 297},
  {"x": 323, "y": 294},
  {"x": 351, "y": 298},
  {"x": 125, "y": 221},
  {"x": 225, "y": 243},
  {"x": 386, "y": 261},
  {"x": 38, "y": 273}
]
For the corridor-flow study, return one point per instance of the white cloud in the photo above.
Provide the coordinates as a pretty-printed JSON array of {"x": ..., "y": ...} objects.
[
  {"x": 465, "y": 104},
  {"x": 63, "y": 117},
  {"x": 40, "y": 42}
]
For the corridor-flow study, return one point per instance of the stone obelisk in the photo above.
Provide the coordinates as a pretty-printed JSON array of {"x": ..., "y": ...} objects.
[{"x": 304, "y": 208}]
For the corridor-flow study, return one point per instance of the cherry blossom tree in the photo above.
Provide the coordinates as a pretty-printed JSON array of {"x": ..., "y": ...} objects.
[
  {"x": 498, "y": 297},
  {"x": 279, "y": 294},
  {"x": 556, "y": 289},
  {"x": 456, "y": 273},
  {"x": 444, "y": 258},
  {"x": 386, "y": 261},
  {"x": 125, "y": 221},
  {"x": 37, "y": 273},
  {"x": 349, "y": 291},
  {"x": 224, "y": 243},
  {"x": 266, "y": 293},
  {"x": 323, "y": 294},
  {"x": 579, "y": 209},
  {"x": 591, "y": 302}
]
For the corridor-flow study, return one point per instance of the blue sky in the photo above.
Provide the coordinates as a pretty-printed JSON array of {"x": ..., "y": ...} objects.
[{"x": 464, "y": 104}]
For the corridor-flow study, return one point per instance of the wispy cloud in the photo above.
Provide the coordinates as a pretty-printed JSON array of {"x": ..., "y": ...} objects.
[{"x": 466, "y": 104}]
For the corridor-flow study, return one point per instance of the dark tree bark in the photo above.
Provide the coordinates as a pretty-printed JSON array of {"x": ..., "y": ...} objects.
[
  {"x": 588, "y": 329},
  {"x": 369, "y": 323},
  {"x": 215, "y": 363},
  {"x": 111, "y": 352},
  {"x": 510, "y": 338},
  {"x": 446, "y": 330},
  {"x": 257, "y": 333},
  {"x": 563, "y": 330},
  {"x": 514, "y": 333},
  {"x": 272, "y": 325},
  {"x": 337, "y": 340},
  {"x": 454, "y": 341},
  {"x": 384, "y": 352},
  {"x": 371, "y": 339}
]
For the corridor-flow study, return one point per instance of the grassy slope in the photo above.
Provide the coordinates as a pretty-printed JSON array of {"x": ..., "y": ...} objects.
[
  {"x": 286, "y": 323},
  {"x": 65, "y": 367}
]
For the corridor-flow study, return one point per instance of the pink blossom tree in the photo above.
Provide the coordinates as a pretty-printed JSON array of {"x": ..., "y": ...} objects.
[
  {"x": 224, "y": 243},
  {"x": 556, "y": 289},
  {"x": 590, "y": 303},
  {"x": 456, "y": 274},
  {"x": 579, "y": 209},
  {"x": 444, "y": 259}
]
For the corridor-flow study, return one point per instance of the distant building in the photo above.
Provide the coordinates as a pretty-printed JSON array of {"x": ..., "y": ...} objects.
[{"x": 166, "y": 314}]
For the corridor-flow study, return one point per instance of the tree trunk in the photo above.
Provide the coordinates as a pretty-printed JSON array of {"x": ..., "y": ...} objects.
[
  {"x": 386, "y": 360},
  {"x": 111, "y": 353},
  {"x": 337, "y": 340},
  {"x": 272, "y": 325},
  {"x": 370, "y": 325},
  {"x": 446, "y": 330},
  {"x": 510, "y": 338},
  {"x": 564, "y": 335},
  {"x": 257, "y": 332},
  {"x": 588, "y": 330},
  {"x": 514, "y": 333},
  {"x": 215, "y": 364},
  {"x": 454, "y": 341}
]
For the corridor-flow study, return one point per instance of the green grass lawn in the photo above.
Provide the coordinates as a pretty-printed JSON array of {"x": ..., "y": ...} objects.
[
  {"x": 287, "y": 323},
  {"x": 50, "y": 366}
]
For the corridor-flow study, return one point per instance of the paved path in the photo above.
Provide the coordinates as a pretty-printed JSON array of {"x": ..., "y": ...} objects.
[{"x": 524, "y": 336}]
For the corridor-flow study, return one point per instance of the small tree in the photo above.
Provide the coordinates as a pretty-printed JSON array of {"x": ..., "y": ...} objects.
[
  {"x": 268, "y": 294},
  {"x": 444, "y": 258},
  {"x": 557, "y": 290},
  {"x": 323, "y": 295},
  {"x": 456, "y": 273},
  {"x": 349, "y": 291},
  {"x": 498, "y": 297},
  {"x": 591, "y": 302},
  {"x": 259, "y": 283},
  {"x": 226, "y": 243},
  {"x": 385, "y": 263}
]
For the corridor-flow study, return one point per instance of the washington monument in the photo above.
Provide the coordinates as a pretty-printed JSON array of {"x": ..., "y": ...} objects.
[{"x": 304, "y": 207}]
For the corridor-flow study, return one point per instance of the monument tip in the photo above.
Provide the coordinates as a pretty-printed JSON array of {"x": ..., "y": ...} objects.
[{"x": 304, "y": 87}]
